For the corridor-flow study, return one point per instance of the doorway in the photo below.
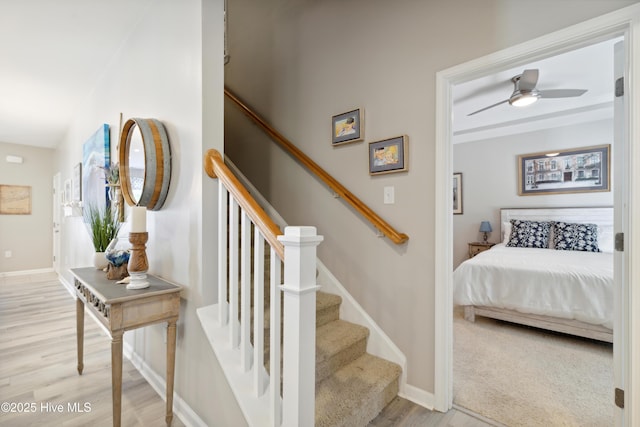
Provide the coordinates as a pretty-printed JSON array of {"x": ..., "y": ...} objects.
[{"x": 609, "y": 26}]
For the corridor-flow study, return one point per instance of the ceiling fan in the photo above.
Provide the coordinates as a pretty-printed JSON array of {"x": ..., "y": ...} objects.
[{"x": 525, "y": 92}]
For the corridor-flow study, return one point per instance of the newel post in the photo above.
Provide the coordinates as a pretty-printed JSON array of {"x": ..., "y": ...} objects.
[{"x": 299, "y": 348}]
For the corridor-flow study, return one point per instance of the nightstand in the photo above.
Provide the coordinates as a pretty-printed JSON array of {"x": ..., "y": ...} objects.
[{"x": 476, "y": 247}]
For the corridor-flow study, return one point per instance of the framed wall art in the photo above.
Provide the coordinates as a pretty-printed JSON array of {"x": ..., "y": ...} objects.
[
  {"x": 575, "y": 170},
  {"x": 389, "y": 155},
  {"x": 347, "y": 127},
  {"x": 457, "y": 193},
  {"x": 15, "y": 199},
  {"x": 76, "y": 184},
  {"x": 95, "y": 157},
  {"x": 67, "y": 197}
]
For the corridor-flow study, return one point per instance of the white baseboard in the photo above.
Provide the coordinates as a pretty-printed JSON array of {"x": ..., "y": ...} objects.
[
  {"x": 181, "y": 408},
  {"x": 27, "y": 272},
  {"x": 418, "y": 396}
]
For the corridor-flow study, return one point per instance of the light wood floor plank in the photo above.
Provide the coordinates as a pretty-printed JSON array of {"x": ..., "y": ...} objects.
[{"x": 38, "y": 363}]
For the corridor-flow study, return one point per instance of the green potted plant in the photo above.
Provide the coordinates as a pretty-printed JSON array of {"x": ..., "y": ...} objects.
[{"x": 103, "y": 226}]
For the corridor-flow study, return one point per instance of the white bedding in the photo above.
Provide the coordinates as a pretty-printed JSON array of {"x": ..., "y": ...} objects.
[{"x": 566, "y": 284}]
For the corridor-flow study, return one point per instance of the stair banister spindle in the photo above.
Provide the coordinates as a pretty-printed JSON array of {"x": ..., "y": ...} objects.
[
  {"x": 258, "y": 313},
  {"x": 245, "y": 292},
  {"x": 234, "y": 333},
  {"x": 223, "y": 206},
  {"x": 298, "y": 395},
  {"x": 275, "y": 400}
]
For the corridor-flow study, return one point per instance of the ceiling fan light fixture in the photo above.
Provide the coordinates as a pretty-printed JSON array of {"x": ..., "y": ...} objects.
[{"x": 524, "y": 98}]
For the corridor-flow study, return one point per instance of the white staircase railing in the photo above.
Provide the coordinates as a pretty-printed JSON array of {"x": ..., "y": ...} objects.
[{"x": 238, "y": 341}]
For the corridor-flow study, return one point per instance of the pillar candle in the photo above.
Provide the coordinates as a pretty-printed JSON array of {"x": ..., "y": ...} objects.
[{"x": 138, "y": 219}]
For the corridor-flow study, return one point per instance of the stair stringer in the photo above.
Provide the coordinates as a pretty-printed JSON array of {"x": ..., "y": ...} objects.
[{"x": 379, "y": 344}]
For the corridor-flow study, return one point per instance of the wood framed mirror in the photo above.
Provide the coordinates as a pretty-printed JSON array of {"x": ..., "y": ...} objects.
[{"x": 145, "y": 163}]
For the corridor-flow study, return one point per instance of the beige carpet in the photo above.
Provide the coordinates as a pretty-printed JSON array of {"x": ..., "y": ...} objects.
[{"x": 520, "y": 376}]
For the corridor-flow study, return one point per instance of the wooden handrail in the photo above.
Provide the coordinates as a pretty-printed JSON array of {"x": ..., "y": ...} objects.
[
  {"x": 215, "y": 168},
  {"x": 338, "y": 188}
]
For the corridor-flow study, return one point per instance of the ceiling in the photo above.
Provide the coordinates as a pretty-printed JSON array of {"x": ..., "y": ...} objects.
[
  {"x": 53, "y": 53},
  {"x": 588, "y": 68}
]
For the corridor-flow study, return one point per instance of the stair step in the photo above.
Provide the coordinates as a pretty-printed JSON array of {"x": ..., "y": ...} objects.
[
  {"x": 338, "y": 343},
  {"x": 355, "y": 394},
  {"x": 327, "y": 308}
]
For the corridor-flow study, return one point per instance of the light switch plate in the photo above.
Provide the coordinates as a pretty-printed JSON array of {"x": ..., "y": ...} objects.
[{"x": 389, "y": 195}]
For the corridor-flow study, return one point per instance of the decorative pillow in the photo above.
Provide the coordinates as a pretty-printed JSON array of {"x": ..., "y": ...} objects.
[
  {"x": 506, "y": 232},
  {"x": 529, "y": 234},
  {"x": 575, "y": 237}
]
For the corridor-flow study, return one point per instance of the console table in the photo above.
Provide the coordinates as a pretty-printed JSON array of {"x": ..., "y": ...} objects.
[{"x": 119, "y": 310}]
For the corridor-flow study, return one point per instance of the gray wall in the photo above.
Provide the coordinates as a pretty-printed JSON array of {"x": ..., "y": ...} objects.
[
  {"x": 28, "y": 237},
  {"x": 170, "y": 68},
  {"x": 490, "y": 177},
  {"x": 299, "y": 63}
]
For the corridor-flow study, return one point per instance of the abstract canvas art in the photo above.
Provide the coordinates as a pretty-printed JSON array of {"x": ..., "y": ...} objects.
[{"x": 95, "y": 156}]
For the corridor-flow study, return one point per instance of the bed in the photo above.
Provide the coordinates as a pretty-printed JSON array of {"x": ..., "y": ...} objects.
[{"x": 568, "y": 291}]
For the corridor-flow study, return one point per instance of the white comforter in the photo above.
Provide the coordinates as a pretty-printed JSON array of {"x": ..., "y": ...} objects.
[{"x": 565, "y": 284}]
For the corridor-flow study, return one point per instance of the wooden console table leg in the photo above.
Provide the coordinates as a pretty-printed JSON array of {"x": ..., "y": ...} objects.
[
  {"x": 116, "y": 376},
  {"x": 171, "y": 366},
  {"x": 80, "y": 333}
]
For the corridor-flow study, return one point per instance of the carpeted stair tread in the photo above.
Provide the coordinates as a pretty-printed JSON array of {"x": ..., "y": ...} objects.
[
  {"x": 327, "y": 308},
  {"x": 338, "y": 343},
  {"x": 355, "y": 394}
]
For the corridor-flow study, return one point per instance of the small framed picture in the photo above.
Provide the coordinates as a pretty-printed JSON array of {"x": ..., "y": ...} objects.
[
  {"x": 457, "y": 193},
  {"x": 76, "y": 195},
  {"x": 389, "y": 155},
  {"x": 347, "y": 127},
  {"x": 66, "y": 196}
]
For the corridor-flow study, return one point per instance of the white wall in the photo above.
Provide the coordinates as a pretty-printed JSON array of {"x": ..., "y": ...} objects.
[
  {"x": 490, "y": 177},
  {"x": 28, "y": 237},
  {"x": 299, "y": 63},
  {"x": 160, "y": 73}
]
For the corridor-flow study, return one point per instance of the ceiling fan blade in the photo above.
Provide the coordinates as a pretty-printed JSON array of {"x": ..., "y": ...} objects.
[
  {"x": 486, "y": 108},
  {"x": 528, "y": 79},
  {"x": 561, "y": 93}
]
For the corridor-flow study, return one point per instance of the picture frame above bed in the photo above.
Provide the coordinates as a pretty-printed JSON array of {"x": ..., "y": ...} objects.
[{"x": 575, "y": 170}]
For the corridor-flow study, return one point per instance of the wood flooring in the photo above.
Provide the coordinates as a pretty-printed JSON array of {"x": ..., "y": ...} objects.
[
  {"x": 41, "y": 386},
  {"x": 38, "y": 377}
]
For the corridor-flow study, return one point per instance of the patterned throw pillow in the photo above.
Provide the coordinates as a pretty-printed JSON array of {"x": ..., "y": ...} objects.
[
  {"x": 529, "y": 234},
  {"x": 575, "y": 237}
]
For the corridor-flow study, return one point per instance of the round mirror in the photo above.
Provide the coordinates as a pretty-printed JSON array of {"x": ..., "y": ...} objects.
[
  {"x": 145, "y": 163},
  {"x": 136, "y": 164}
]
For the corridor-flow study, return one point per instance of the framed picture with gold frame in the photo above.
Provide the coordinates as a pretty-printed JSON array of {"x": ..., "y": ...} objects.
[
  {"x": 389, "y": 155},
  {"x": 347, "y": 127}
]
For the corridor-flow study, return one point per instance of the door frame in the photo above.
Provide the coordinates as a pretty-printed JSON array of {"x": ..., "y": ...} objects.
[
  {"x": 625, "y": 22},
  {"x": 56, "y": 218}
]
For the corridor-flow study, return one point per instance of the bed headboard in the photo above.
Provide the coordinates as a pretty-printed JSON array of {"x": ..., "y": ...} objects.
[{"x": 603, "y": 217}]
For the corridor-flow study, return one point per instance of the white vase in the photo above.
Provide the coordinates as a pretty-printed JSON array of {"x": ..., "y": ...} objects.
[{"x": 100, "y": 261}]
